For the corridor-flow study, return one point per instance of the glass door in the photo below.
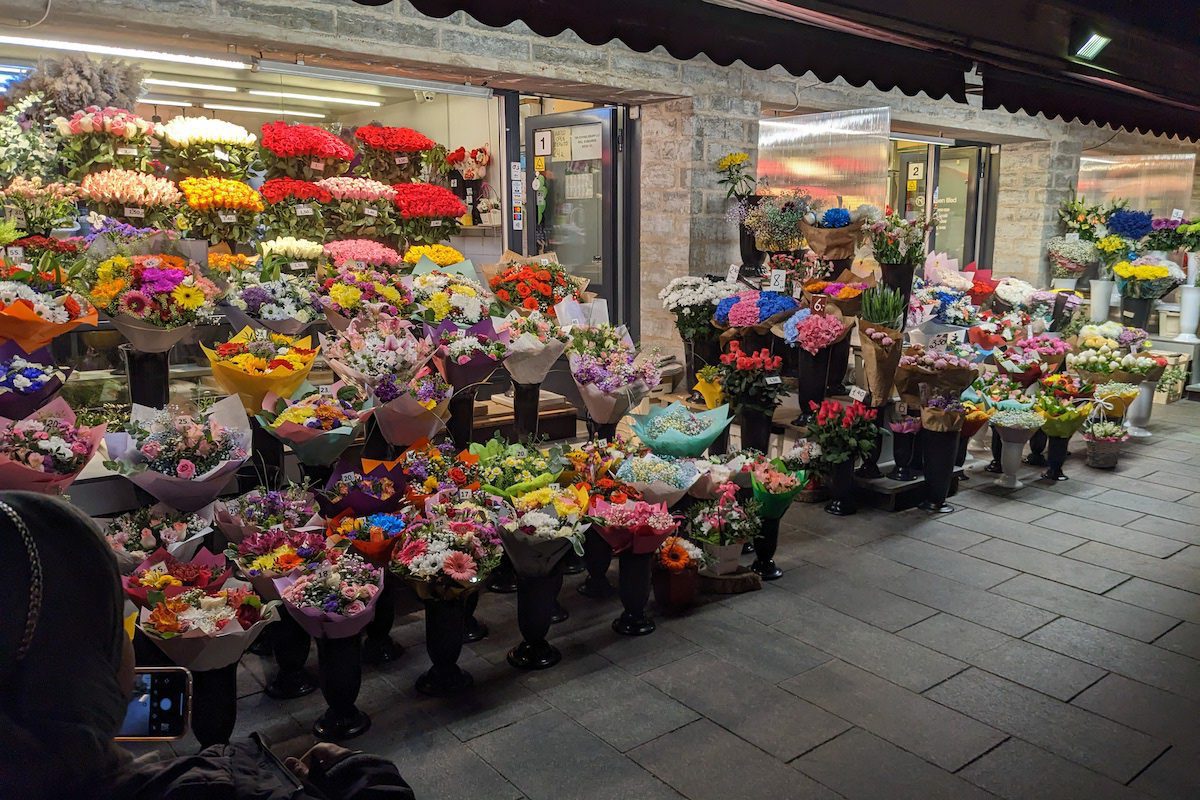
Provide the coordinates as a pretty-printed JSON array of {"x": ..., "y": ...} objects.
[{"x": 956, "y": 199}]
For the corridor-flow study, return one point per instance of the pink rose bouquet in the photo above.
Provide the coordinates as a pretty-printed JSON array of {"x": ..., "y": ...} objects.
[
  {"x": 363, "y": 252},
  {"x": 134, "y": 197},
  {"x": 360, "y": 206},
  {"x": 101, "y": 138}
]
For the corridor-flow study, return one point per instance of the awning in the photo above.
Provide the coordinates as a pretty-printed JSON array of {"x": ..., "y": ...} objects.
[
  {"x": 688, "y": 28},
  {"x": 1075, "y": 98}
]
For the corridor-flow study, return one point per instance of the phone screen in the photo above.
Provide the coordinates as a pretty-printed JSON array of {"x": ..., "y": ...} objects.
[{"x": 159, "y": 706}]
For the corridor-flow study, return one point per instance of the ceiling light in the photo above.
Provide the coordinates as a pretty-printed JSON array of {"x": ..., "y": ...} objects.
[
  {"x": 260, "y": 110},
  {"x": 317, "y": 97},
  {"x": 1092, "y": 47},
  {"x": 12, "y": 70},
  {"x": 164, "y": 101},
  {"x": 124, "y": 52},
  {"x": 371, "y": 79},
  {"x": 207, "y": 87}
]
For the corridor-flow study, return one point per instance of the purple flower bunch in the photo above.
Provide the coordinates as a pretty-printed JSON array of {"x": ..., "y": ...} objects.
[
  {"x": 614, "y": 371},
  {"x": 944, "y": 403}
]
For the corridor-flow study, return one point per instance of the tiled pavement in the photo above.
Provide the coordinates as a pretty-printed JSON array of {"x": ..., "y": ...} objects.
[{"x": 1044, "y": 644}]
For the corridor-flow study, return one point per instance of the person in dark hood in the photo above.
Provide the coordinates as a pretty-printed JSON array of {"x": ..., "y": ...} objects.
[{"x": 66, "y": 674}]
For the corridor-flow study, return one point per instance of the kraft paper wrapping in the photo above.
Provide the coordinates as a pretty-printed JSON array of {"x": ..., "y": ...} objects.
[
  {"x": 204, "y": 558},
  {"x": 200, "y": 652},
  {"x": 19, "y": 323},
  {"x": 832, "y": 244},
  {"x": 147, "y": 338},
  {"x": 939, "y": 421},
  {"x": 677, "y": 443},
  {"x": 322, "y": 624},
  {"x": 252, "y": 389},
  {"x": 19, "y": 477},
  {"x": 880, "y": 363},
  {"x": 19, "y": 405},
  {"x": 944, "y": 381}
]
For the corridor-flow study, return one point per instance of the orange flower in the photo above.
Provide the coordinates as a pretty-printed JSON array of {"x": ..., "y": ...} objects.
[
  {"x": 286, "y": 562},
  {"x": 674, "y": 557}
]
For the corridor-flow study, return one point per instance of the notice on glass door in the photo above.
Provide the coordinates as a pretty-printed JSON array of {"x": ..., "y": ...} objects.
[
  {"x": 585, "y": 142},
  {"x": 562, "y": 145},
  {"x": 580, "y": 186}
]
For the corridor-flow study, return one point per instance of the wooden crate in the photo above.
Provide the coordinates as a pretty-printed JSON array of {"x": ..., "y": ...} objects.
[{"x": 1175, "y": 390}]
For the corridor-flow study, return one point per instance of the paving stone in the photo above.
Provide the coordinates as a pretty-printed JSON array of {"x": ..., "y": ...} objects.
[
  {"x": 1163, "y": 715},
  {"x": 1077, "y": 735},
  {"x": 1190, "y": 482},
  {"x": 1188, "y": 556},
  {"x": 886, "y": 655},
  {"x": 858, "y": 564},
  {"x": 945, "y": 534},
  {"x": 1147, "y": 594},
  {"x": 493, "y": 704},
  {"x": 1183, "y": 639},
  {"x": 919, "y": 725},
  {"x": 1147, "y": 505},
  {"x": 947, "y": 563},
  {"x": 1148, "y": 543},
  {"x": 706, "y": 762},
  {"x": 1160, "y": 490},
  {"x": 1158, "y": 570},
  {"x": 436, "y": 764},
  {"x": 1129, "y": 657},
  {"x": 1056, "y": 568},
  {"x": 859, "y": 766},
  {"x": 867, "y": 603},
  {"x": 976, "y": 605},
  {"x": 1038, "y": 668},
  {"x": 1103, "y": 612},
  {"x": 1172, "y": 529},
  {"x": 768, "y": 717},
  {"x": 551, "y": 756},
  {"x": 774, "y": 602},
  {"x": 1014, "y": 530},
  {"x": 638, "y": 654},
  {"x": 1172, "y": 777},
  {"x": 1087, "y": 508},
  {"x": 1010, "y": 507},
  {"x": 751, "y": 645},
  {"x": 953, "y": 636},
  {"x": 1017, "y": 770}
]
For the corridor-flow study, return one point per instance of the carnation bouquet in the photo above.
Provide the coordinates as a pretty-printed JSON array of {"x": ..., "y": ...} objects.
[
  {"x": 39, "y": 207},
  {"x": 546, "y": 523},
  {"x": 290, "y": 508},
  {"x": 372, "y": 536},
  {"x": 658, "y": 479},
  {"x": 195, "y": 147},
  {"x": 135, "y": 535},
  {"x": 359, "y": 207},
  {"x": 255, "y": 362},
  {"x": 46, "y": 451},
  {"x": 1147, "y": 278},
  {"x": 37, "y": 305},
  {"x": 283, "y": 303},
  {"x": 352, "y": 292},
  {"x": 694, "y": 301},
  {"x": 206, "y": 631},
  {"x": 294, "y": 208},
  {"x": 775, "y": 486},
  {"x": 815, "y": 332},
  {"x": 184, "y": 460},
  {"x": 334, "y": 598},
  {"x": 95, "y": 138},
  {"x": 673, "y": 430},
  {"x": 535, "y": 342},
  {"x": 469, "y": 357},
  {"x": 947, "y": 371},
  {"x": 303, "y": 152},
  {"x": 450, "y": 551},
  {"x": 1070, "y": 259},
  {"x": 220, "y": 209},
  {"x": 428, "y": 214},
  {"x": 635, "y": 526},
  {"x": 361, "y": 253},
  {"x": 452, "y": 296},
  {"x": 27, "y": 380},
  {"x": 528, "y": 285},
  {"x": 134, "y": 197},
  {"x": 168, "y": 576},
  {"x": 392, "y": 155},
  {"x": 262, "y": 557},
  {"x": 317, "y": 423}
]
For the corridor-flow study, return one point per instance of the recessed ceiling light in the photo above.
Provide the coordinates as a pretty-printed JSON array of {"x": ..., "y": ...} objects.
[
  {"x": 260, "y": 110},
  {"x": 123, "y": 52},
  {"x": 316, "y": 97},
  {"x": 164, "y": 101},
  {"x": 1092, "y": 47},
  {"x": 207, "y": 87}
]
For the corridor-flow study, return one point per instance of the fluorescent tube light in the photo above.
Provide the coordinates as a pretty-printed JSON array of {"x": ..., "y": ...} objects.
[
  {"x": 123, "y": 52},
  {"x": 261, "y": 110},
  {"x": 164, "y": 101},
  {"x": 898, "y": 136},
  {"x": 371, "y": 79},
  {"x": 207, "y": 87},
  {"x": 1092, "y": 47},
  {"x": 316, "y": 97},
  {"x": 11, "y": 70}
]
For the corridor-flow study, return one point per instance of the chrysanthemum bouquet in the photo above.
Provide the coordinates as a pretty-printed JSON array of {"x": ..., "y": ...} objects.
[
  {"x": 443, "y": 296},
  {"x": 40, "y": 207},
  {"x": 294, "y": 208},
  {"x": 432, "y": 467},
  {"x": 47, "y": 450},
  {"x": 694, "y": 301},
  {"x": 260, "y": 510},
  {"x": 285, "y": 304},
  {"x": 199, "y": 146},
  {"x": 546, "y": 523},
  {"x": 135, "y": 197},
  {"x": 428, "y": 214},
  {"x": 450, "y": 552},
  {"x": 392, "y": 154},
  {"x": 359, "y": 207},
  {"x": 469, "y": 357},
  {"x": 97, "y": 138},
  {"x": 440, "y": 254},
  {"x": 255, "y": 361},
  {"x": 134, "y": 536},
  {"x": 220, "y": 209},
  {"x": 351, "y": 293},
  {"x": 335, "y": 598},
  {"x": 205, "y": 631},
  {"x": 303, "y": 152},
  {"x": 508, "y": 470}
]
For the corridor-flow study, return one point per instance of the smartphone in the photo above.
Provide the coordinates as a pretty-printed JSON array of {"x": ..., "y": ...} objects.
[{"x": 161, "y": 706}]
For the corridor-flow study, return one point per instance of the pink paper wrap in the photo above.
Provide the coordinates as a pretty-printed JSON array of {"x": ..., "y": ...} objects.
[
  {"x": 201, "y": 652},
  {"x": 217, "y": 563},
  {"x": 19, "y": 477},
  {"x": 323, "y": 625}
]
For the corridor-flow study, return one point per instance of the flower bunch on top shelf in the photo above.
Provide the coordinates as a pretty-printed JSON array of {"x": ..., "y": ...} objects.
[
  {"x": 440, "y": 254},
  {"x": 294, "y": 208},
  {"x": 306, "y": 152},
  {"x": 359, "y": 206},
  {"x": 533, "y": 286},
  {"x": 392, "y": 155},
  {"x": 40, "y": 207},
  {"x": 199, "y": 146},
  {"x": 132, "y": 196},
  {"x": 104, "y": 138}
]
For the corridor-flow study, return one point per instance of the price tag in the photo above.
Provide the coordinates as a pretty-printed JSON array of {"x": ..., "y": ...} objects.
[
  {"x": 797, "y": 290},
  {"x": 326, "y": 390},
  {"x": 1073, "y": 236},
  {"x": 902, "y": 409},
  {"x": 1177, "y": 213},
  {"x": 370, "y": 212},
  {"x": 437, "y": 223},
  {"x": 544, "y": 262},
  {"x": 298, "y": 266},
  {"x": 401, "y": 159},
  {"x": 602, "y": 443},
  {"x": 304, "y": 210},
  {"x": 778, "y": 282},
  {"x": 554, "y": 487},
  {"x": 470, "y": 193},
  {"x": 464, "y": 494},
  {"x": 858, "y": 393},
  {"x": 734, "y": 271},
  {"x": 16, "y": 255},
  {"x": 818, "y": 304},
  {"x": 317, "y": 164},
  {"x": 227, "y": 217},
  {"x": 773, "y": 380},
  {"x": 127, "y": 151},
  {"x": 453, "y": 183},
  {"x": 15, "y": 215},
  {"x": 220, "y": 155},
  {"x": 135, "y": 213}
]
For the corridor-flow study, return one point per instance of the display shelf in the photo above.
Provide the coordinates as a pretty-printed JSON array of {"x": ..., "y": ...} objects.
[
  {"x": 1191, "y": 349},
  {"x": 893, "y": 495}
]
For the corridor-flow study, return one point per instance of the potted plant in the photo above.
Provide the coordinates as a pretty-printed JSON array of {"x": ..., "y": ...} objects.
[
  {"x": 722, "y": 525},
  {"x": 676, "y": 573},
  {"x": 899, "y": 246},
  {"x": 739, "y": 184},
  {"x": 845, "y": 434},
  {"x": 1104, "y": 440}
]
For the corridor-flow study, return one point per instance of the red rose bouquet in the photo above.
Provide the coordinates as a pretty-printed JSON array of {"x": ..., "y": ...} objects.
[
  {"x": 392, "y": 155},
  {"x": 294, "y": 208},
  {"x": 428, "y": 214},
  {"x": 303, "y": 151}
]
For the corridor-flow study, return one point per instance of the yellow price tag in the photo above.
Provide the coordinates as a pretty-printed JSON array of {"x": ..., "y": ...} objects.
[{"x": 539, "y": 164}]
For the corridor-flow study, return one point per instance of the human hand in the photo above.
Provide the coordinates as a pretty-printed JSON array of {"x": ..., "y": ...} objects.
[{"x": 319, "y": 758}]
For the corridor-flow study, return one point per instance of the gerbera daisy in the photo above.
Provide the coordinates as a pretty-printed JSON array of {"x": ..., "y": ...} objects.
[
  {"x": 189, "y": 298},
  {"x": 674, "y": 558},
  {"x": 135, "y": 304},
  {"x": 459, "y": 566}
]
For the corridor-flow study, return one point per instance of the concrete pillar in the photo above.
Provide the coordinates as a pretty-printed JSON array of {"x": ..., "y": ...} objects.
[{"x": 1035, "y": 178}]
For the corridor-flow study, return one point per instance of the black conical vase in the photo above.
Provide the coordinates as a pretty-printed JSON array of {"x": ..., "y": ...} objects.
[
  {"x": 525, "y": 410},
  {"x": 899, "y": 276},
  {"x": 1037, "y": 450},
  {"x": 835, "y": 369},
  {"x": 1056, "y": 455},
  {"x": 633, "y": 585},
  {"x": 1135, "y": 311},
  {"x": 462, "y": 417},
  {"x": 214, "y": 702},
  {"x": 752, "y": 257},
  {"x": 291, "y": 645},
  {"x": 870, "y": 463},
  {"x": 904, "y": 446},
  {"x": 765, "y": 545},
  {"x": 341, "y": 678},
  {"x": 940, "y": 449},
  {"x": 445, "y": 630},
  {"x": 839, "y": 482},
  {"x": 597, "y": 555},
  {"x": 812, "y": 374},
  {"x": 756, "y": 429},
  {"x": 537, "y": 598}
]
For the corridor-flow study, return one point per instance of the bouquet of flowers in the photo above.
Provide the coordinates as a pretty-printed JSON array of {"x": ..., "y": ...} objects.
[
  {"x": 832, "y": 235},
  {"x": 1076, "y": 215},
  {"x": 262, "y": 557},
  {"x": 1130, "y": 225},
  {"x": 154, "y": 300},
  {"x": 230, "y": 263},
  {"x": 428, "y": 213},
  {"x": 471, "y": 164},
  {"x": 611, "y": 383},
  {"x": 675, "y": 431},
  {"x": 775, "y": 220},
  {"x": 510, "y": 470},
  {"x": 1065, "y": 387},
  {"x": 372, "y": 536},
  {"x": 255, "y": 362},
  {"x": 882, "y": 339},
  {"x": 135, "y": 535},
  {"x": 546, "y": 523},
  {"x": 844, "y": 433},
  {"x": 132, "y": 196},
  {"x": 184, "y": 460},
  {"x": 1013, "y": 293},
  {"x": 997, "y": 390},
  {"x": 27, "y": 380},
  {"x": 1106, "y": 363},
  {"x": 946, "y": 371},
  {"x": 431, "y": 468},
  {"x": 334, "y": 598},
  {"x": 220, "y": 209},
  {"x": 43, "y": 252},
  {"x": 450, "y": 552},
  {"x": 815, "y": 332},
  {"x": 694, "y": 301},
  {"x": 724, "y": 520},
  {"x": 46, "y": 451},
  {"x": 100, "y": 138},
  {"x": 352, "y": 293},
  {"x": 318, "y": 423},
  {"x": 660, "y": 480},
  {"x": 285, "y": 304},
  {"x": 442, "y": 255},
  {"x": 754, "y": 309},
  {"x": 299, "y": 255},
  {"x": 735, "y": 175},
  {"x": 635, "y": 525},
  {"x": 896, "y": 240},
  {"x": 206, "y": 631},
  {"x": 1058, "y": 310},
  {"x": 976, "y": 417},
  {"x": 533, "y": 285},
  {"x": 942, "y": 414},
  {"x": 363, "y": 486},
  {"x": 469, "y": 357},
  {"x": 261, "y": 510},
  {"x": 1113, "y": 397},
  {"x": 360, "y": 206},
  {"x": 1052, "y": 349},
  {"x": 168, "y": 576},
  {"x": 1062, "y": 418},
  {"x": 1147, "y": 277},
  {"x": 676, "y": 554},
  {"x": 1023, "y": 366},
  {"x": 592, "y": 460},
  {"x": 199, "y": 146},
  {"x": 392, "y": 155},
  {"x": 804, "y": 460},
  {"x": 39, "y": 207},
  {"x": 37, "y": 305},
  {"x": 358, "y": 253},
  {"x": 294, "y": 208},
  {"x": 1113, "y": 249},
  {"x": 775, "y": 486},
  {"x": 1165, "y": 235},
  {"x": 1070, "y": 259},
  {"x": 846, "y": 295},
  {"x": 1016, "y": 426},
  {"x": 535, "y": 342},
  {"x": 992, "y": 329},
  {"x": 456, "y": 297},
  {"x": 750, "y": 380},
  {"x": 303, "y": 152}
]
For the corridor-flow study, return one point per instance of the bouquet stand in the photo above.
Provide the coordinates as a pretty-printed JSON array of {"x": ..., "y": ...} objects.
[
  {"x": 1101, "y": 300},
  {"x": 940, "y": 450},
  {"x": 904, "y": 447},
  {"x": 633, "y": 586},
  {"x": 291, "y": 645},
  {"x": 812, "y": 375},
  {"x": 525, "y": 410},
  {"x": 149, "y": 376},
  {"x": 537, "y": 597},
  {"x": 1037, "y": 449},
  {"x": 378, "y": 645},
  {"x": 473, "y": 630},
  {"x": 461, "y": 424},
  {"x": 341, "y": 680},
  {"x": 1189, "y": 313},
  {"x": 265, "y": 465},
  {"x": 756, "y": 429},
  {"x": 699, "y": 353},
  {"x": 1013, "y": 443},
  {"x": 1135, "y": 311},
  {"x": 1056, "y": 454},
  {"x": 765, "y": 545},
  {"x": 1137, "y": 417},
  {"x": 597, "y": 556},
  {"x": 994, "y": 466},
  {"x": 601, "y": 430},
  {"x": 503, "y": 579},
  {"x": 674, "y": 592},
  {"x": 214, "y": 703},
  {"x": 870, "y": 463},
  {"x": 839, "y": 482},
  {"x": 445, "y": 632}
]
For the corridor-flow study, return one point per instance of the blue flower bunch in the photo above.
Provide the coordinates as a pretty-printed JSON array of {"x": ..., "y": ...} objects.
[
  {"x": 789, "y": 328},
  {"x": 1132, "y": 225},
  {"x": 722, "y": 312},
  {"x": 23, "y": 376},
  {"x": 772, "y": 303},
  {"x": 392, "y": 525},
  {"x": 835, "y": 218}
]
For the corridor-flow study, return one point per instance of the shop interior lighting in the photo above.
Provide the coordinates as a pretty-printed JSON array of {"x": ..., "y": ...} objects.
[
  {"x": 913, "y": 137},
  {"x": 9, "y": 69},
  {"x": 261, "y": 110},
  {"x": 1092, "y": 47},
  {"x": 206, "y": 87},
  {"x": 164, "y": 101},
  {"x": 122, "y": 52},
  {"x": 316, "y": 97},
  {"x": 350, "y": 76}
]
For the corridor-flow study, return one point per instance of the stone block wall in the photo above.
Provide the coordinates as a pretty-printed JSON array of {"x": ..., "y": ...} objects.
[{"x": 1035, "y": 178}]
